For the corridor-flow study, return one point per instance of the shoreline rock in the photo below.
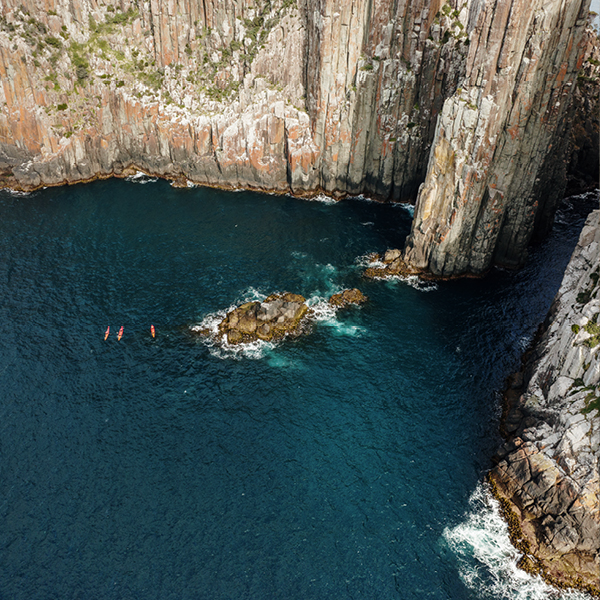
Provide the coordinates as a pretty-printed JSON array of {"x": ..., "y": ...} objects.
[
  {"x": 390, "y": 265},
  {"x": 546, "y": 473}
]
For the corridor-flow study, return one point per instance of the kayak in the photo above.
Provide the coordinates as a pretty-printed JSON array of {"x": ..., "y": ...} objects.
[
  {"x": 152, "y": 331},
  {"x": 107, "y": 332},
  {"x": 120, "y": 333}
]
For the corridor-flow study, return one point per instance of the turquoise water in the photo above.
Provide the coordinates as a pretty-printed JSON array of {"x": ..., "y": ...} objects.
[{"x": 345, "y": 464}]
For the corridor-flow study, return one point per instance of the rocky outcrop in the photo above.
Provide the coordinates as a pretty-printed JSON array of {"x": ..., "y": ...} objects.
[
  {"x": 278, "y": 316},
  {"x": 466, "y": 97},
  {"x": 548, "y": 467},
  {"x": 348, "y": 298},
  {"x": 390, "y": 265}
]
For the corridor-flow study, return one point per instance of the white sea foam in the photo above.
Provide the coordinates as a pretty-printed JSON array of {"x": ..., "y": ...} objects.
[
  {"x": 141, "y": 178},
  {"x": 321, "y": 310},
  {"x": 218, "y": 345},
  {"x": 412, "y": 280},
  {"x": 251, "y": 295},
  {"x": 487, "y": 561},
  {"x": 366, "y": 261},
  {"x": 416, "y": 282},
  {"x": 524, "y": 342},
  {"x": 324, "y": 199},
  {"x": 409, "y": 208},
  {"x": 363, "y": 198},
  {"x": 17, "y": 193},
  {"x": 324, "y": 313}
]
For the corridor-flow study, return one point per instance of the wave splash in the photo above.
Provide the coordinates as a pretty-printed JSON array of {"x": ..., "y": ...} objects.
[
  {"x": 320, "y": 312},
  {"x": 413, "y": 281},
  {"x": 487, "y": 561},
  {"x": 141, "y": 178}
]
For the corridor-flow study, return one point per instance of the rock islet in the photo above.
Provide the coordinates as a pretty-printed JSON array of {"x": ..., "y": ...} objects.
[
  {"x": 347, "y": 298},
  {"x": 278, "y": 316}
]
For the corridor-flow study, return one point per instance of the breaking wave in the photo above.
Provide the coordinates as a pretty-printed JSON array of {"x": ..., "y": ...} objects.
[
  {"x": 413, "y": 281},
  {"x": 323, "y": 199},
  {"x": 487, "y": 561},
  {"x": 17, "y": 193},
  {"x": 141, "y": 177}
]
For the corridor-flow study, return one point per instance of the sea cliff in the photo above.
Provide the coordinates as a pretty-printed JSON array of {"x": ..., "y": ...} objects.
[
  {"x": 461, "y": 105},
  {"x": 548, "y": 467},
  {"x": 465, "y": 107}
]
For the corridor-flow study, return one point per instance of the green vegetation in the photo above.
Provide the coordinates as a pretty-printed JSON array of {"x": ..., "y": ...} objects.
[
  {"x": 575, "y": 328},
  {"x": 591, "y": 403},
  {"x": 593, "y": 329},
  {"x": 61, "y": 106},
  {"x": 54, "y": 42}
]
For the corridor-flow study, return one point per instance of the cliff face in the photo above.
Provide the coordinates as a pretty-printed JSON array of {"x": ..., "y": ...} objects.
[
  {"x": 500, "y": 142},
  {"x": 346, "y": 96},
  {"x": 548, "y": 468}
]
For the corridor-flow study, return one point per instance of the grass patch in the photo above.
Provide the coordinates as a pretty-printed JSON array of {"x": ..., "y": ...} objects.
[{"x": 591, "y": 404}]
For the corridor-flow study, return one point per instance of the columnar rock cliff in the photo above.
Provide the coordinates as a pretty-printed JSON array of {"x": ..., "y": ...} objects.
[
  {"x": 548, "y": 468},
  {"x": 466, "y": 97}
]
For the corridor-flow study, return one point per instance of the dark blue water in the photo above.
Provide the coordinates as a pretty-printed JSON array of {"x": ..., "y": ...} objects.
[{"x": 326, "y": 467}]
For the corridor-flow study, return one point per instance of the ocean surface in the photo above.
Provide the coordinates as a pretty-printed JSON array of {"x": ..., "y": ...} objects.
[{"x": 347, "y": 464}]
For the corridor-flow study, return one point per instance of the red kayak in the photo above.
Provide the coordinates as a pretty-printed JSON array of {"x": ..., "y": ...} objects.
[
  {"x": 152, "y": 331},
  {"x": 120, "y": 333},
  {"x": 107, "y": 332}
]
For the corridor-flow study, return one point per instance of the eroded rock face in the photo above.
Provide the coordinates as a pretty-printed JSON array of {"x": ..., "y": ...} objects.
[
  {"x": 548, "y": 468},
  {"x": 347, "y": 96}
]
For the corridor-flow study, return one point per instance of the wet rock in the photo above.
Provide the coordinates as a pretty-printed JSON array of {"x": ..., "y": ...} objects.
[
  {"x": 277, "y": 316},
  {"x": 392, "y": 265},
  {"x": 353, "y": 296}
]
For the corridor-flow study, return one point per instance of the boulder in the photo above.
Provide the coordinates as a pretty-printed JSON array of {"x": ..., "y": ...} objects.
[{"x": 353, "y": 296}]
